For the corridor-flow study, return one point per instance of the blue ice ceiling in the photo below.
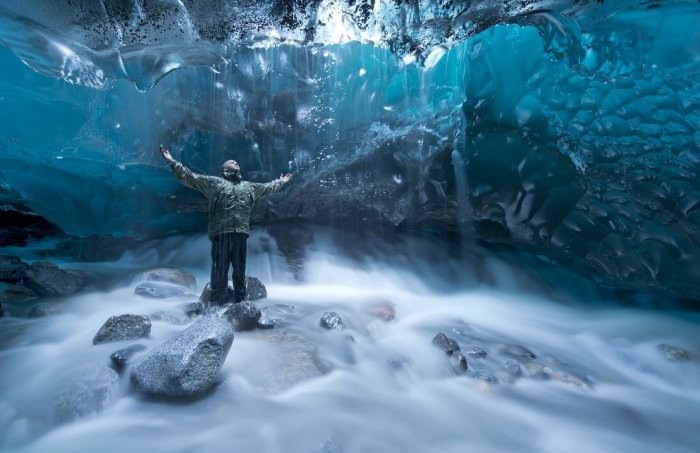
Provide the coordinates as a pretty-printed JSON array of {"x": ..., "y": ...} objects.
[{"x": 570, "y": 129}]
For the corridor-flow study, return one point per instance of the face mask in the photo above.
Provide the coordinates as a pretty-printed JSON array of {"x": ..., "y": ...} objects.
[{"x": 231, "y": 175}]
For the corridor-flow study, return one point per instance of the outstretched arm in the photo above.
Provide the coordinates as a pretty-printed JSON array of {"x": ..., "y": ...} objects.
[
  {"x": 187, "y": 177},
  {"x": 263, "y": 190}
]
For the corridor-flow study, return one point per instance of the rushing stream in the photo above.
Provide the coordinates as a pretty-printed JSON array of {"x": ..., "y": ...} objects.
[{"x": 558, "y": 374}]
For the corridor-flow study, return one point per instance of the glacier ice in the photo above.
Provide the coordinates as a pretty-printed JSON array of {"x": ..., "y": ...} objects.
[{"x": 569, "y": 128}]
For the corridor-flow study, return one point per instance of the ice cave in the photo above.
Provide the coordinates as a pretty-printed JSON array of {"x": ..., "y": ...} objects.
[{"x": 490, "y": 241}]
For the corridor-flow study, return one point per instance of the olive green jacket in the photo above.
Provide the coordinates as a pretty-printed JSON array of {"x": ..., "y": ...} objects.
[{"x": 230, "y": 204}]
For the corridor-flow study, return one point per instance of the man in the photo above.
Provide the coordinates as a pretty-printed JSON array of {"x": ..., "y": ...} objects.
[{"x": 231, "y": 202}]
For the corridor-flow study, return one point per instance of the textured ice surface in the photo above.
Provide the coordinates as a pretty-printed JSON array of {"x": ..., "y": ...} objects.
[{"x": 567, "y": 128}]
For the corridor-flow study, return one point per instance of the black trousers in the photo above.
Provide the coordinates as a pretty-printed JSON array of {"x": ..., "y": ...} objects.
[{"x": 228, "y": 249}]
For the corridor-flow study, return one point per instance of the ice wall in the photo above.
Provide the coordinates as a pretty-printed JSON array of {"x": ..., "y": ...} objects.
[{"x": 566, "y": 128}]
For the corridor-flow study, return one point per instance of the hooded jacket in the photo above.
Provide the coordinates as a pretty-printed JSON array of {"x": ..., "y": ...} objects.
[{"x": 230, "y": 203}]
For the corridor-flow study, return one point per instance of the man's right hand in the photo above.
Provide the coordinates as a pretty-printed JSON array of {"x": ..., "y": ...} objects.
[{"x": 166, "y": 154}]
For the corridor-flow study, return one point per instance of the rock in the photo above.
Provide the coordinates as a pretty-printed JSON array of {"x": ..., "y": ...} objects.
[
  {"x": 243, "y": 316},
  {"x": 331, "y": 320},
  {"x": 122, "y": 328},
  {"x": 12, "y": 268},
  {"x": 44, "y": 309},
  {"x": 85, "y": 392},
  {"x": 292, "y": 359},
  {"x": 15, "y": 293},
  {"x": 384, "y": 310},
  {"x": 185, "y": 366},
  {"x": 477, "y": 352},
  {"x": 159, "y": 290},
  {"x": 255, "y": 290},
  {"x": 445, "y": 343},
  {"x": 485, "y": 377},
  {"x": 170, "y": 275},
  {"x": 194, "y": 309},
  {"x": 205, "y": 297},
  {"x": 451, "y": 348},
  {"x": 46, "y": 279},
  {"x": 674, "y": 352},
  {"x": 122, "y": 357},
  {"x": 517, "y": 352},
  {"x": 512, "y": 367},
  {"x": 177, "y": 318}
]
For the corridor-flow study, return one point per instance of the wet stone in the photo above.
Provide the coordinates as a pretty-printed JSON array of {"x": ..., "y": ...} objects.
[
  {"x": 176, "y": 318},
  {"x": 121, "y": 358},
  {"x": 674, "y": 353},
  {"x": 512, "y": 367},
  {"x": 159, "y": 290},
  {"x": 187, "y": 365},
  {"x": 255, "y": 290},
  {"x": 517, "y": 351},
  {"x": 44, "y": 309},
  {"x": 15, "y": 293},
  {"x": 477, "y": 353},
  {"x": 12, "y": 268},
  {"x": 170, "y": 275},
  {"x": 243, "y": 316},
  {"x": 485, "y": 377},
  {"x": 122, "y": 328},
  {"x": 331, "y": 320},
  {"x": 46, "y": 279},
  {"x": 194, "y": 309},
  {"x": 84, "y": 393},
  {"x": 445, "y": 343}
]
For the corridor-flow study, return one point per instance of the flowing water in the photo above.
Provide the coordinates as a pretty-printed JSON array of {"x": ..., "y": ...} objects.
[{"x": 598, "y": 382}]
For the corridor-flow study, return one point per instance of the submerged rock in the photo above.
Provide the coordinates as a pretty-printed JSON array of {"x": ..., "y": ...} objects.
[
  {"x": 186, "y": 365},
  {"x": 122, "y": 357},
  {"x": 674, "y": 353},
  {"x": 159, "y": 290},
  {"x": 171, "y": 275},
  {"x": 46, "y": 279},
  {"x": 194, "y": 309},
  {"x": 243, "y": 316},
  {"x": 331, "y": 320},
  {"x": 291, "y": 359},
  {"x": 122, "y": 328},
  {"x": 44, "y": 309},
  {"x": 517, "y": 351},
  {"x": 85, "y": 392}
]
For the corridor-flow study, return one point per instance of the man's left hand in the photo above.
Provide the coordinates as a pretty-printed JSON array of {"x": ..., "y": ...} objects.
[{"x": 286, "y": 178}]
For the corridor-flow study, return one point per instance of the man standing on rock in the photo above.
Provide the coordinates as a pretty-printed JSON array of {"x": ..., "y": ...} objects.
[{"x": 231, "y": 203}]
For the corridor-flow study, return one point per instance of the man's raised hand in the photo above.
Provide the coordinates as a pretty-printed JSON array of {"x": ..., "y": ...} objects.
[
  {"x": 166, "y": 154},
  {"x": 286, "y": 178}
]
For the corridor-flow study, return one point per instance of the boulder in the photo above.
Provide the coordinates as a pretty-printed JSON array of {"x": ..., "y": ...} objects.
[
  {"x": 12, "y": 268},
  {"x": 159, "y": 290},
  {"x": 171, "y": 275},
  {"x": 122, "y": 357},
  {"x": 243, "y": 316},
  {"x": 187, "y": 365},
  {"x": 331, "y": 320},
  {"x": 15, "y": 293},
  {"x": 477, "y": 353},
  {"x": 122, "y": 328},
  {"x": 46, "y": 279},
  {"x": 85, "y": 392}
]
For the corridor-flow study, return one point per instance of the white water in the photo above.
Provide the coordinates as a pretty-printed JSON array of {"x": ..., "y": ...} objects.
[{"x": 388, "y": 390}]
